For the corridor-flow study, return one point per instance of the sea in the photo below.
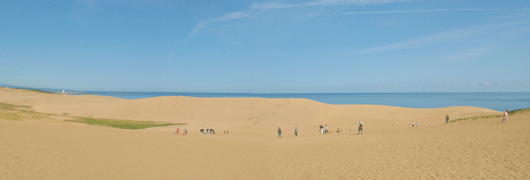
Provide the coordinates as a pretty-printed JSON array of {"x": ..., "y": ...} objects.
[{"x": 499, "y": 101}]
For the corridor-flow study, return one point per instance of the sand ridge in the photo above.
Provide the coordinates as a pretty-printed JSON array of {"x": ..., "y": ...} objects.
[{"x": 54, "y": 149}]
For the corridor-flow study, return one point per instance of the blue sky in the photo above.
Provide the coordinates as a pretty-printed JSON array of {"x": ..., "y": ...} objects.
[{"x": 267, "y": 46}]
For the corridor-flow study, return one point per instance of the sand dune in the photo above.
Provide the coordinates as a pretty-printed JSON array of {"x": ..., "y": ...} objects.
[{"x": 54, "y": 149}]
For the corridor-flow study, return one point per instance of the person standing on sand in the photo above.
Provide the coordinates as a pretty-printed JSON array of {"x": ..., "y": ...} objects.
[
  {"x": 505, "y": 116},
  {"x": 178, "y": 131},
  {"x": 360, "y": 130},
  {"x": 279, "y": 132},
  {"x": 295, "y": 131},
  {"x": 446, "y": 118}
]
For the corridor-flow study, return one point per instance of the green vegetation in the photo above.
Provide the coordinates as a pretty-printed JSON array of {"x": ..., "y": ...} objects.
[
  {"x": 122, "y": 124},
  {"x": 32, "y": 114},
  {"x": 512, "y": 112},
  {"x": 518, "y": 111},
  {"x": 10, "y": 116},
  {"x": 35, "y": 90},
  {"x": 15, "y": 113},
  {"x": 4, "y": 106}
]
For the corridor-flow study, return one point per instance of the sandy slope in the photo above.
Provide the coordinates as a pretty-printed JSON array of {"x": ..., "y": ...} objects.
[{"x": 54, "y": 149}]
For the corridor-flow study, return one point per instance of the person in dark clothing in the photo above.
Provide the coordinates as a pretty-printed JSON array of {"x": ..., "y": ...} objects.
[
  {"x": 279, "y": 132},
  {"x": 295, "y": 131}
]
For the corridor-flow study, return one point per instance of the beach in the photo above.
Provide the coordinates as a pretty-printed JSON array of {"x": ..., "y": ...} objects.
[{"x": 52, "y": 148}]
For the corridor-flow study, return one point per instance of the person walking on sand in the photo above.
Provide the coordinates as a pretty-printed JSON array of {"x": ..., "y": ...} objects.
[
  {"x": 178, "y": 131},
  {"x": 295, "y": 131},
  {"x": 505, "y": 116},
  {"x": 446, "y": 118},
  {"x": 360, "y": 130},
  {"x": 279, "y": 132}
]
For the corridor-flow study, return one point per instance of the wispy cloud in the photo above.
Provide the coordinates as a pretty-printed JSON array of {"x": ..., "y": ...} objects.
[
  {"x": 274, "y": 5},
  {"x": 443, "y": 37},
  {"x": 437, "y": 37},
  {"x": 411, "y": 11},
  {"x": 260, "y": 7},
  {"x": 203, "y": 24},
  {"x": 469, "y": 54}
]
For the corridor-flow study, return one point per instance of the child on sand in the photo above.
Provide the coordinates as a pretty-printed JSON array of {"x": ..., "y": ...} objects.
[
  {"x": 505, "y": 116},
  {"x": 446, "y": 118},
  {"x": 360, "y": 130},
  {"x": 279, "y": 132}
]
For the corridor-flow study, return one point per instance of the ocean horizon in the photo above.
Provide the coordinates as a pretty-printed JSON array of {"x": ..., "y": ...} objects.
[{"x": 498, "y": 101}]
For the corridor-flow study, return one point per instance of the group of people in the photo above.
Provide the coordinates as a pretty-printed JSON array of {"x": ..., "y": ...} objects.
[
  {"x": 413, "y": 124},
  {"x": 176, "y": 131},
  {"x": 324, "y": 130},
  {"x": 208, "y": 131},
  {"x": 280, "y": 132},
  {"x": 203, "y": 131}
]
